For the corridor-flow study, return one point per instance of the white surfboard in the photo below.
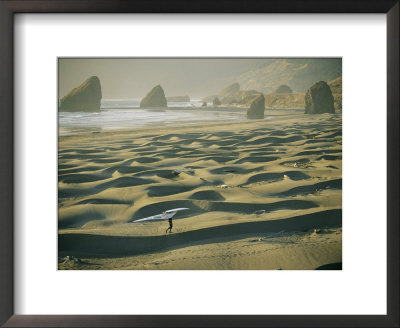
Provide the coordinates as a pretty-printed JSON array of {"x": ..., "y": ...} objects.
[{"x": 163, "y": 216}]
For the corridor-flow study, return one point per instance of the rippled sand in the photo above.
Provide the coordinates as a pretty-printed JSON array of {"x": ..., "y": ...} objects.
[{"x": 264, "y": 194}]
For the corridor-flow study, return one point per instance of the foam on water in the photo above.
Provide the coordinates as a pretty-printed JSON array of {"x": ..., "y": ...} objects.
[{"x": 126, "y": 114}]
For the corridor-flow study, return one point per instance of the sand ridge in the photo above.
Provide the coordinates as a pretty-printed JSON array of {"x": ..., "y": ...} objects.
[{"x": 251, "y": 178}]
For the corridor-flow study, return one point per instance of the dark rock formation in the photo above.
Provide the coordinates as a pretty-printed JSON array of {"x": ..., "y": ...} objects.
[
  {"x": 179, "y": 99},
  {"x": 154, "y": 99},
  {"x": 85, "y": 98},
  {"x": 257, "y": 107},
  {"x": 229, "y": 90},
  {"x": 319, "y": 99},
  {"x": 283, "y": 89},
  {"x": 216, "y": 102}
]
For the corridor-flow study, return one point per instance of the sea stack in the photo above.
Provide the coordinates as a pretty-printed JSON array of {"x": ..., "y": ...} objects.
[
  {"x": 155, "y": 98},
  {"x": 319, "y": 99},
  {"x": 85, "y": 98},
  {"x": 257, "y": 107}
]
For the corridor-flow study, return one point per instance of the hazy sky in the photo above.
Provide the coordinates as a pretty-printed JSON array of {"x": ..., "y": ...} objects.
[{"x": 133, "y": 78}]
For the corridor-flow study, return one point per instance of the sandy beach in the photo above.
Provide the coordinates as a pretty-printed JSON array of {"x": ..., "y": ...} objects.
[{"x": 262, "y": 194}]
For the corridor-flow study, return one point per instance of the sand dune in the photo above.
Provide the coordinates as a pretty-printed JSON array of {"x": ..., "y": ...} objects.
[{"x": 242, "y": 180}]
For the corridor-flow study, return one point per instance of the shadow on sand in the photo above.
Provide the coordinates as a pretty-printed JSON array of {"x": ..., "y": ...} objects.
[{"x": 100, "y": 246}]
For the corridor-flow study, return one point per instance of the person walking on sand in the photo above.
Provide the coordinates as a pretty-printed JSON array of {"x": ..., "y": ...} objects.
[{"x": 170, "y": 226}]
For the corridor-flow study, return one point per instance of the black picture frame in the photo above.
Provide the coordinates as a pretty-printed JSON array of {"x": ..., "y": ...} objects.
[{"x": 10, "y": 7}]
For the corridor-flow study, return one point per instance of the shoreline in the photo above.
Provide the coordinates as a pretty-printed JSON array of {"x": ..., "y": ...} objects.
[{"x": 269, "y": 115}]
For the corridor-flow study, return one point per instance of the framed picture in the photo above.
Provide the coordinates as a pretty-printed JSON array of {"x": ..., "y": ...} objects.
[{"x": 180, "y": 169}]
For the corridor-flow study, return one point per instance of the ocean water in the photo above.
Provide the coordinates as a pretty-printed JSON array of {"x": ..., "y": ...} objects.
[
  {"x": 135, "y": 103},
  {"x": 126, "y": 114}
]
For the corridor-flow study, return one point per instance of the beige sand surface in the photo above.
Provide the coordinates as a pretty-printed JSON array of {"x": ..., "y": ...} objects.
[{"x": 283, "y": 179}]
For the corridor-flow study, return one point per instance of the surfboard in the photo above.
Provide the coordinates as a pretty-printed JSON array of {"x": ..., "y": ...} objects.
[{"x": 163, "y": 216}]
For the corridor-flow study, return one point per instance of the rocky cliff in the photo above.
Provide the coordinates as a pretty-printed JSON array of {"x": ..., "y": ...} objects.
[
  {"x": 298, "y": 74},
  {"x": 229, "y": 90},
  {"x": 155, "y": 98},
  {"x": 84, "y": 98},
  {"x": 291, "y": 100},
  {"x": 336, "y": 88}
]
